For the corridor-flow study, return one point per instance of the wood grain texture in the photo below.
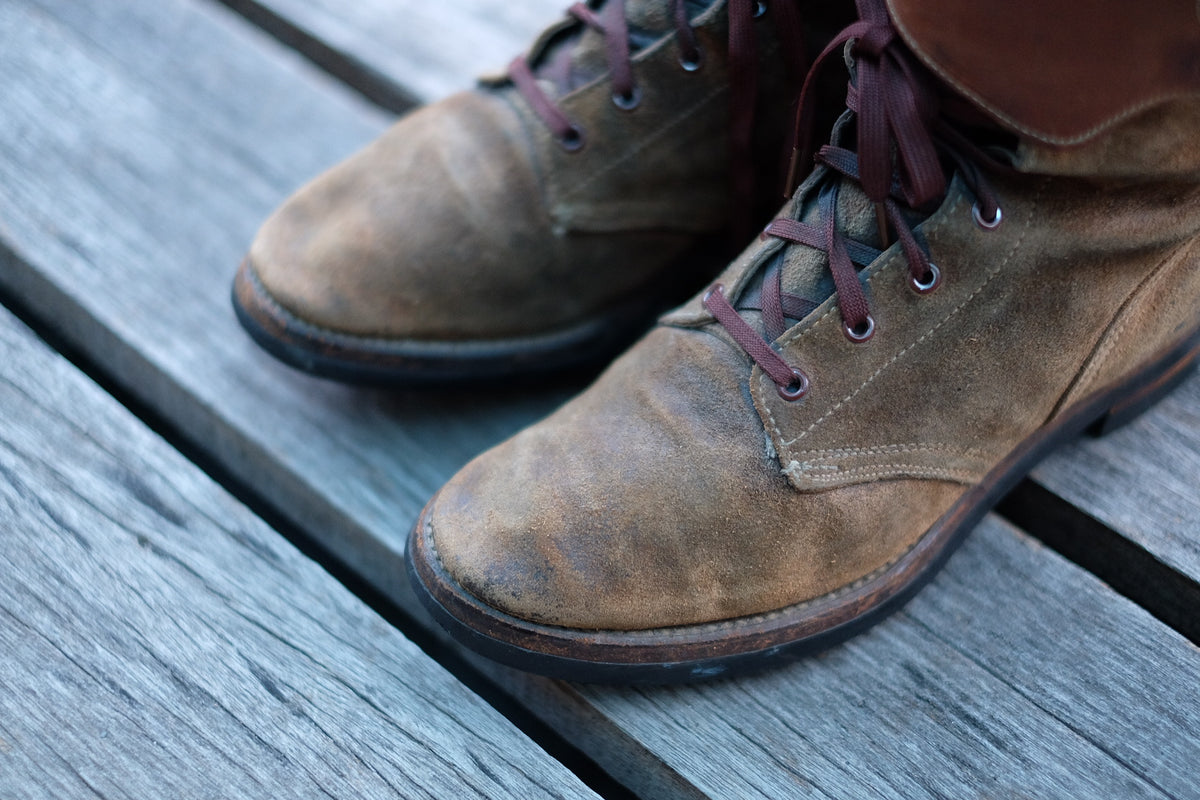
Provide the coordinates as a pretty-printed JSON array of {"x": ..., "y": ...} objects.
[
  {"x": 134, "y": 177},
  {"x": 124, "y": 228},
  {"x": 158, "y": 640},
  {"x": 1142, "y": 481},
  {"x": 426, "y": 50}
]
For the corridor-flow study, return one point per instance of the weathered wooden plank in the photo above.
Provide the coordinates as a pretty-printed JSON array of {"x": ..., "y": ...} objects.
[
  {"x": 137, "y": 170},
  {"x": 917, "y": 707},
  {"x": 159, "y": 640},
  {"x": 424, "y": 51},
  {"x": 1142, "y": 481}
]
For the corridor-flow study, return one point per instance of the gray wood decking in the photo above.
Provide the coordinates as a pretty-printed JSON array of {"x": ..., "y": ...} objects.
[
  {"x": 156, "y": 639},
  {"x": 159, "y": 640}
]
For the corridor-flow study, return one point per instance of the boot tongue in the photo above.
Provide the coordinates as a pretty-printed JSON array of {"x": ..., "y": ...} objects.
[
  {"x": 805, "y": 270},
  {"x": 581, "y": 57}
]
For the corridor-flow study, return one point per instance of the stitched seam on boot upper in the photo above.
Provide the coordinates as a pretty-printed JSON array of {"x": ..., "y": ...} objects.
[
  {"x": 762, "y": 378},
  {"x": 650, "y": 139},
  {"x": 836, "y": 472},
  {"x": 937, "y": 447},
  {"x": 521, "y": 112},
  {"x": 990, "y": 277},
  {"x": 712, "y": 13},
  {"x": 1115, "y": 331},
  {"x": 883, "y": 470}
]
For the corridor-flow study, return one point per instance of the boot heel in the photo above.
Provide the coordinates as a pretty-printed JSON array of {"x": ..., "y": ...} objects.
[{"x": 1143, "y": 397}]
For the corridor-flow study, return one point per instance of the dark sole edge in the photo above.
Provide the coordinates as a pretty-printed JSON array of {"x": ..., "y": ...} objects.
[
  {"x": 701, "y": 652},
  {"x": 398, "y": 362}
]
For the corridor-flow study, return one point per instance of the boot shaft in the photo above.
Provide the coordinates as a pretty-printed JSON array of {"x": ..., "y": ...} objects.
[{"x": 1104, "y": 89}]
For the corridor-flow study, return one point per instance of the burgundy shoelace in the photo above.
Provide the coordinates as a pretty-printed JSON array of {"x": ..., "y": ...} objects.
[
  {"x": 743, "y": 69},
  {"x": 903, "y": 137}
]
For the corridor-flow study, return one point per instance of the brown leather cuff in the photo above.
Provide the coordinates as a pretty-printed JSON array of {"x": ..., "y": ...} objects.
[{"x": 1060, "y": 71}]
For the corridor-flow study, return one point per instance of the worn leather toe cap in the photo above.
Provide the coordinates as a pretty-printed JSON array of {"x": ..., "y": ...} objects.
[
  {"x": 407, "y": 237},
  {"x": 651, "y": 501}
]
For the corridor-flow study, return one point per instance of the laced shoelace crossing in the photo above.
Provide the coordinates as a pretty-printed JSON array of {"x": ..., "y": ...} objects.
[
  {"x": 903, "y": 137},
  {"x": 743, "y": 73}
]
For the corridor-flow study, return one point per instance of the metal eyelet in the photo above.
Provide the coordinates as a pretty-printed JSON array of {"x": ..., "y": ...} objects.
[
  {"x": 629, "y": 101},
  {"x": 860, "y": 333},
  {"x": 987, "y": 225},
  {"x": 760, "y": 8},
  {"x": 797, "y": 388},
  {"x": 716, "y": 288},
  {"x": 572, "y": 141},
  {"x": 692, "y": 62},
  {"x": 931, "y": 280}
]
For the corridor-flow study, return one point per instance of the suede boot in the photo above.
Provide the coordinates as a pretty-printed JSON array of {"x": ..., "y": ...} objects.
[
  {"x": 963, "y": 282},
  {"x": 539, "y": 220}
]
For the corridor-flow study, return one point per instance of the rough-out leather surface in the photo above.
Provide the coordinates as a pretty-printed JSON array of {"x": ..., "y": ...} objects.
[
  {"x": 467, "y": 220},
  {"x": 682, "y": 489},
  {"x": 651, "y": 501},
  {"x": 954, "y": 380},
  {"x": 438, "y": 230},
  {"x": 1058, "y": 70}
]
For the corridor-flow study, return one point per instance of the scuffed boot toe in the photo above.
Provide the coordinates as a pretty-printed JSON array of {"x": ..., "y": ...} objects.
[{"x": 644, "y": 533}]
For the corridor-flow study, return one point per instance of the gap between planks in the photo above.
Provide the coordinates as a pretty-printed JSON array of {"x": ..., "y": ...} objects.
[
  {"x": 160, "y": 640},
  {"x": 466, "y": 670},
  {"x": 358, "y": 75},
  {"x": 399, "y": 53}
]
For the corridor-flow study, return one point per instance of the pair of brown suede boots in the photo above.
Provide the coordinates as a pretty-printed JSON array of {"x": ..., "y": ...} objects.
[{"x": 999, "y": 249}]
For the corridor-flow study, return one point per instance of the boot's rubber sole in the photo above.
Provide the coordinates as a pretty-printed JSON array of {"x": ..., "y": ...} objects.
[
  {"x": 697, "y": 652},
  {"x": 385, "y": 361}
]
